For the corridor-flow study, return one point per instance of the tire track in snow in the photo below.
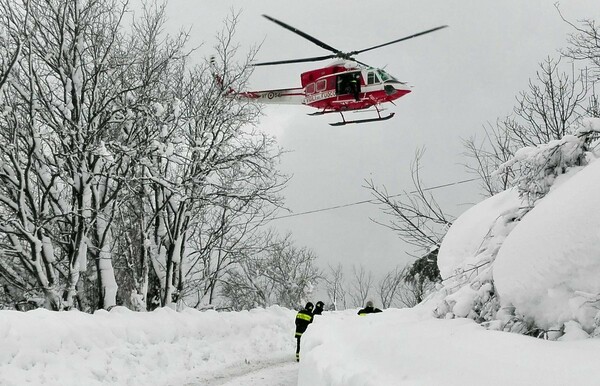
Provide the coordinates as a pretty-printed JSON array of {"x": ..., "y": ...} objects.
[{"x": 281, "y": 372}]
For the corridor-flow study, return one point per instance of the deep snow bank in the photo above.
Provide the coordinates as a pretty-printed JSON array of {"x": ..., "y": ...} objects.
[
  {"x": 466, "y": 258},
  {"x": 409, "y": 347},
  {"x": 528, "y": 260},
  {"x": 123, "y": 347},
  {"x": 464, "y": 241},
  {"x": 552, "y": 257}
]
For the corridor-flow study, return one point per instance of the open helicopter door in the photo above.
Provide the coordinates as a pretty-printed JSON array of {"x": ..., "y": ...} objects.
[{"x": 348, "y": 83}]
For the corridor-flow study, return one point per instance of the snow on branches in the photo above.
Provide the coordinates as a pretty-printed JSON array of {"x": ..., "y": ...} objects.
[
  {"x": 537, "y": 167},
  {"x": 469, "y": 251}
]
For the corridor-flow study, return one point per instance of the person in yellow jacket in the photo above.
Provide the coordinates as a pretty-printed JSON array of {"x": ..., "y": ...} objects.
[
  {"x": 369, "y": 309},
  {"x": 304, "y": 317}
]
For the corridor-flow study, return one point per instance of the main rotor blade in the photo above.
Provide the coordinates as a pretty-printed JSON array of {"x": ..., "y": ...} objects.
[
  {"x": 399, "y": 40},
  {"x": 361, "y": 63},
  {"x": 313, "y": 59},
  {"x": 304, "y": 35}
]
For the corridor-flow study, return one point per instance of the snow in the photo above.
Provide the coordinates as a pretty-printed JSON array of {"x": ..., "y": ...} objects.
[
  {"x": 465, "y": 236},
  {"x": 409, "y": 347},
  {"x": 589, "y": 124},
  {"x": 541, "y": 273},
  {"x": 509, "y": 265},
  {"x": 123, "y": 347},
  {"x": 165, "y": 347}
]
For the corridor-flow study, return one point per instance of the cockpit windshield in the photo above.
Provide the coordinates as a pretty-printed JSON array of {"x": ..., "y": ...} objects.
[{"x": 385, "y": 76}]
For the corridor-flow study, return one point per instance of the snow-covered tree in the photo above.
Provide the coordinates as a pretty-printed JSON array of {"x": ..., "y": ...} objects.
[
  {"x": 552, "y": 107},
  {"x": 419, "y": 279},
  {"x": 536, "y": 168},
  {"x": 415, "y": 216},
  {"x": 224, "y": 236},
  {"x": 280, "y": 274},
  {"x": 11, "y": 37},
  {"x": 113, "y": 149},
  {"x": 469, "y": 289},
  {"x": 61, "y": 109},
  {"x": 389, "y": 287},
  {"x": 360, "y": 286},
  {"x": 208, "y": 162},
  {"x": 335, "y": 286},
  {"x": 584, "y": 44}
]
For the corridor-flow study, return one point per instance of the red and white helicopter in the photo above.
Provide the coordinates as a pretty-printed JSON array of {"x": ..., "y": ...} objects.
[{"x": 345, "y": 85}]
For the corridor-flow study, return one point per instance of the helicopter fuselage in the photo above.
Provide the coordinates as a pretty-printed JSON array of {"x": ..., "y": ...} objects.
[
  {"x": 346, "y": 85},
  {"x": 338, "y": 87}
]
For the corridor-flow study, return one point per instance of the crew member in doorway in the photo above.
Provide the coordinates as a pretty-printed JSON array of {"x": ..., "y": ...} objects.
[
  {"x": 355, "y": 86},
  {"x": 304, "y": 317}
]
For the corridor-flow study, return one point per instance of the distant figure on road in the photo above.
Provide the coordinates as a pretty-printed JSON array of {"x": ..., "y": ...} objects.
[
  {"x": 318, "y": 308},
  {"x": 369, "y": 309},
  {"x": 304, "y": 317}
]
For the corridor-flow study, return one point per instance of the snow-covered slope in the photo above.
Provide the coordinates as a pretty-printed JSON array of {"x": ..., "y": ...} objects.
[
  {"x": 192, "y": 348},
  {"x": 409, "y": 347},
  {"x": 551, "y": 260},
  {"x": 465, "y": 240}
]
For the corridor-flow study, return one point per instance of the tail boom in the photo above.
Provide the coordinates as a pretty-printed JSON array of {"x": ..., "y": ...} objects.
[{"x": 286, "y": 96}]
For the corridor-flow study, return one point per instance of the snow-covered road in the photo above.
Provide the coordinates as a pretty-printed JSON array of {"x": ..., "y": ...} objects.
[
  {"x": 281, "y": 373},
  {"x": 284, "y": 374}
]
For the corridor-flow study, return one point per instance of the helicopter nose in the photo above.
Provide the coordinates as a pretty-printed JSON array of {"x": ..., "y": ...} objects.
[{"x": 393, "y": 87}]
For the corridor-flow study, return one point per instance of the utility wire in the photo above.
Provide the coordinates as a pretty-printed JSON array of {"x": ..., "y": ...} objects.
[{"x": 370, "y": 201}]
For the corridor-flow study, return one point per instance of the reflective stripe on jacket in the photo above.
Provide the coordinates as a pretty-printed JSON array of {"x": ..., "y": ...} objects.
[
  {"x": 303, "y": 319},
  {"x": 303, "y": 316}
]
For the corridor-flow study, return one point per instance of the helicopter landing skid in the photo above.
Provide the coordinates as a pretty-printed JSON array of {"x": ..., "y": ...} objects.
[
  {"x": 317, "y": 113},
  {"x": 379, "y": 118}
]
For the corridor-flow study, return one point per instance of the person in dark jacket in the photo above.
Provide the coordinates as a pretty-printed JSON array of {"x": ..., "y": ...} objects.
[
  {"x": 318, "y": 308},
  {"x": 304, "y": 317},
  {"x": 355, "y": 86},
  {"x": 369, "y": 309}
]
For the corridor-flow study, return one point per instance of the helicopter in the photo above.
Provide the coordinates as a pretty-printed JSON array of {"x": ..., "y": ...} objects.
[{"x": 343, "y": 86}]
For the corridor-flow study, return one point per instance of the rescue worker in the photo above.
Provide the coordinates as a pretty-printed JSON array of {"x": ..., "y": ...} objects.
[
  {"x": 304, "y": 317},
  {"x": 318, "y": 308},
  {"x": 355, "y": 87},
  {"x": 369, "y": 309}
]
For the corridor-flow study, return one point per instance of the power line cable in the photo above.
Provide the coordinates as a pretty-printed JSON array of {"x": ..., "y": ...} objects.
[{"x": 370, "y": 201}]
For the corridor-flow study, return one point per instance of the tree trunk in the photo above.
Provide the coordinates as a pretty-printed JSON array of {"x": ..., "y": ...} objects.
[{"x": 107, "y": 283}]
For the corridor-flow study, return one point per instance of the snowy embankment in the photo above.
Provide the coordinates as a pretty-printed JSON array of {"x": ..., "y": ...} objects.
[
  {"x": 527, "y": 260},
  {"x": 410, "y": 347},
  {"x": 192, "y": 348},
  {"x": 510, "y": 266},
  {"x": 529, "y": 266},
  {"x": 549, "y": 266},
  {"x": 123, "y": 347}
]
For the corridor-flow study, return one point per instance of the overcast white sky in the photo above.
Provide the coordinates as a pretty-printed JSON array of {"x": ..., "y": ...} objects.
[{"x": 463, "y": 76}]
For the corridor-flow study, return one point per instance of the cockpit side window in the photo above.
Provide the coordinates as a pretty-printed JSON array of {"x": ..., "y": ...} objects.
[
  {"x": 385, "y": 76},
  {"x": 372, "y": 78}
]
